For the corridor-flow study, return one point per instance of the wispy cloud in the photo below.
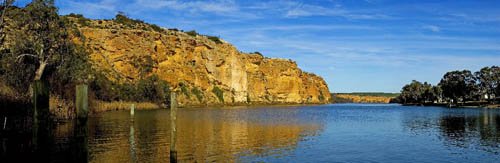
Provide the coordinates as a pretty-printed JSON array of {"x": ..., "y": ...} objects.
[
  {"x": 432, "y": 28},
  {"x": 217, "y": 6},
  {"x": 90, "y": 9}
]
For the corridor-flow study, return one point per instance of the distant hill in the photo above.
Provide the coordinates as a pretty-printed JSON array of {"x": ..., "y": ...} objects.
[{"x": 363, "y": 97}]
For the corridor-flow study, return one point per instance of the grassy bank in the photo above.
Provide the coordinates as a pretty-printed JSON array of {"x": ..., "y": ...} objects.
[{"x": 363, "y": 97}]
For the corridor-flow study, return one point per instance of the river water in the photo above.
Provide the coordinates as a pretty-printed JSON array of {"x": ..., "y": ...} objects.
[{"x": 324, "y": 133}]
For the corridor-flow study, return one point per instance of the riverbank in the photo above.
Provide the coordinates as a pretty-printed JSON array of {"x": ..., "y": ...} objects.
[
  {"x": 367, "y": 97},
  {"x": 474, "y": 104}
]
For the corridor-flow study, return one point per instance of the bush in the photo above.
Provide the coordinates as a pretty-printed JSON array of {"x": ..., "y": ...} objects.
[
  {"x": 197, "y": 93},
  {"x": 128, "y": 22},
  {"x": 80, "y": 19},
  {"x": 184, "y": 89},
  {"x": 151, "y": 89},
  {"x": 219, "y": 93},
  {"x": 215, "y": 39},
  {"x": 192, "y": 33},
  {"x": 156, "y": 28}
]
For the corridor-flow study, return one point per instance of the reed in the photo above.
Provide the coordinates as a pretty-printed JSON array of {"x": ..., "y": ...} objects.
[{"x": 102, "y": 106}]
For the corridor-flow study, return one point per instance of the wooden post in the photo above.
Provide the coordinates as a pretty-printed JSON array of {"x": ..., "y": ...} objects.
[
  {"x": 41, "y": 126},
  {"x": 132, "y": 108},
  {"x": 40, "y": 101},
  {"x": 173, "y": 129},
  {"x": 82, "y": 101}
]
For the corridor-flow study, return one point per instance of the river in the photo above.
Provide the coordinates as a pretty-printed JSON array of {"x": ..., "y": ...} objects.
[{"x": 323, "y": 133}]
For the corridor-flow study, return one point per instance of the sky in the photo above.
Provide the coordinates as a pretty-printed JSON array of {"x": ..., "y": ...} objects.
[{"x": 355, "y": 45}]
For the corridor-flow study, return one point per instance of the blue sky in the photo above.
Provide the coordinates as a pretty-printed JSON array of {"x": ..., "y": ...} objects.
[{"x": 365, "y": 45}]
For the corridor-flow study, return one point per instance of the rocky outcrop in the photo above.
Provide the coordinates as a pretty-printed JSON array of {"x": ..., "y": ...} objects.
[{"x": 200, "y": 70}]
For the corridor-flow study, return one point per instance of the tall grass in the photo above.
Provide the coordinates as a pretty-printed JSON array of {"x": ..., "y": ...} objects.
[{"x": 101, "y": 106}]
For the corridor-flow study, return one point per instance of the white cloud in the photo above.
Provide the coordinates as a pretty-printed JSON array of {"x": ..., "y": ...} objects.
[
  {"x": 432, "y": 28},
  {"x": 216, "y": 6},
  {"x": 92, "y": 9}
]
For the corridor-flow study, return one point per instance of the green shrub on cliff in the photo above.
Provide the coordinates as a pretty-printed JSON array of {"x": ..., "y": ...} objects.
[
  {"x": 192, "y": 33},
  {"x": 215, "y": 39},
  {"x": 184, "y": 89},
  {"x": 197, "y": 93},
  {"x": 219, "y": 93},
  {"x": 80, "y": 19}
]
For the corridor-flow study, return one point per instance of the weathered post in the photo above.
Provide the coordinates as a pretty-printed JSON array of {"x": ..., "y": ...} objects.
[
  {"x": 132, "y": 108},
  {"x": 80, "y": 144},
  {"x": 40, "y": 92},
  {"x": 82, "y": 101},
  {"x": 173, "y": 129},
  {"x": 40, "y": 128}
]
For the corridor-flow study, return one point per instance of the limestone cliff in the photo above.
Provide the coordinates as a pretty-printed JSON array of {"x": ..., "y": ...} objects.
[{"x": 200, "y": 70}]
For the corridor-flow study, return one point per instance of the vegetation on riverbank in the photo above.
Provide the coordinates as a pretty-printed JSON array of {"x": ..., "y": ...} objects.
[
  {"x": 363, "y": 97},
  {"x": 37, "y": 44},
  {"x": 456, "y": 88}
]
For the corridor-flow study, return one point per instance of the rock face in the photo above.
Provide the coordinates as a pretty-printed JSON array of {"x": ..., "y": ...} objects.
[{"x": 200, "y": 70}]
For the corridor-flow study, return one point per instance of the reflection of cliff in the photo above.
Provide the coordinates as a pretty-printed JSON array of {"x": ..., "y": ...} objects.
[
  {"x": 221, "y": 140},
  {"x": 202, "y": 136}
]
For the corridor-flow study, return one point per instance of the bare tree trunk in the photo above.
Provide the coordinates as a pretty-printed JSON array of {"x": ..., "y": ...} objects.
[{"x": 39, "y": 71}]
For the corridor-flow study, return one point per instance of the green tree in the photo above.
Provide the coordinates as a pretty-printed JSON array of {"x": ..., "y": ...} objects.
[
  {"x": 488, "y": 79},
  {"x": 412, "y": 93},
  {"x": 458, "y": 85},
  {"x": 419, "y": 93},
  {"x": 42, "y": 37}
]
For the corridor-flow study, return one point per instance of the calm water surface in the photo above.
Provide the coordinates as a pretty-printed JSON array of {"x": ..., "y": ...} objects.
[{"x": 327, "y": 133}]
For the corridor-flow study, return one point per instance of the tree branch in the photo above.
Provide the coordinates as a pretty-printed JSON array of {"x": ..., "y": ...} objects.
[{"x": 20, "y": 57}]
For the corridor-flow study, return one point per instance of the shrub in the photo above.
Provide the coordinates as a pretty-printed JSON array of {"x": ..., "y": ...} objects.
[
  {"x": 219, "y": 93},
  {"x": 215, "y": 39},
  {"x": 80, "y": 19},
  {"x": 192, "y": 33},
  {"x": 321, "y": 97},
  {"x": 156, "y": 28},
  {"x": 197, "y": 93},
  {"x": 128, "y": 22},
  {"x": 184, "y": 89}
]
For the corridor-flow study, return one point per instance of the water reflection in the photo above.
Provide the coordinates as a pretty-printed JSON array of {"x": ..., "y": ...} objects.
[
  {"x": 464, "y": 128},
  {"x": 45, "y": 142},
  {"x": 202, "y": 135},
  {"x": 345, "y": 133}
]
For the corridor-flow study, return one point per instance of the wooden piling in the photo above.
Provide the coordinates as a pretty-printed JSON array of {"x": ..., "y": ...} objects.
[
  {"x": 40, "y": 93},
  {"x": 132, "y": 108},
  {"x": 173, "y": 129},
  {"x": 82, "y": 101}
]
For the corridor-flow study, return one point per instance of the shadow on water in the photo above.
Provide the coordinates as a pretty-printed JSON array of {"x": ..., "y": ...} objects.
[{"x": 45, "y": 142}]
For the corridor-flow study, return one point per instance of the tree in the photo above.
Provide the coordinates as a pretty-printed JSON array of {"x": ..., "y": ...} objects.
[
  {"x": 419, "y": 93},
  {"x": 488, "y": 79},
  {"x": 42, "y": 36},
  {"x": 458, "y": 85},
  {"x": 4, "y": 6},
  {"x": 411, "y": 93}
]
